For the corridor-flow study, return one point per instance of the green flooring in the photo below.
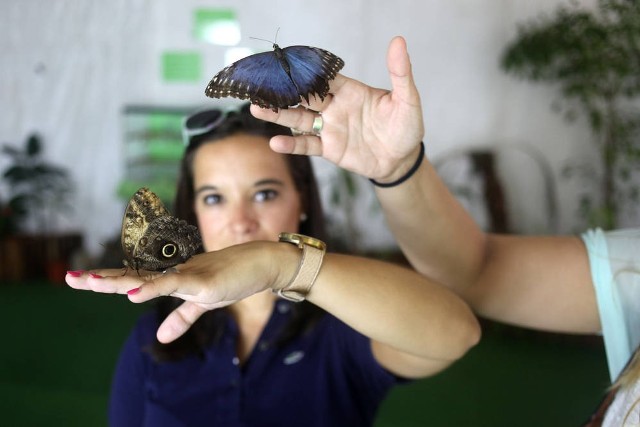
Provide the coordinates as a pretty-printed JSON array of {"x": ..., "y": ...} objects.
[
  {"x": 59, "y": 347},
  {"x": 514, "y": 377}
]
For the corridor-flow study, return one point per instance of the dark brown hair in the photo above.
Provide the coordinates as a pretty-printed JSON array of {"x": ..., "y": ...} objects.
[{"x": 209, "y": 327}]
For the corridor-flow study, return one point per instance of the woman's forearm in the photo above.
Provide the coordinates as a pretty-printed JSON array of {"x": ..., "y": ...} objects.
[
  {"x": 395, "y": 306},
  {"x": 436, "y": 234}
]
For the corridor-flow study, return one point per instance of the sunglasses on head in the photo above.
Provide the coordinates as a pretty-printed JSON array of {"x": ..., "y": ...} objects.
[{"x": 205, "y": 121}]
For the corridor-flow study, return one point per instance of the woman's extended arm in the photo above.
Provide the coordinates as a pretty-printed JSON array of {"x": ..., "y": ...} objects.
[
  {"x": 541, "y": 282},
  {"x": 417, "y": 327}
]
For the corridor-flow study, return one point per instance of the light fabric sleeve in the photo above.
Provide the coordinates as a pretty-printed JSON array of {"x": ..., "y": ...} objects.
[{"x": 614, "y": 258}]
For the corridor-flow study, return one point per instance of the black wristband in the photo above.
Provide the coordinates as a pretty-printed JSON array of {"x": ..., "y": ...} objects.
[{"x": 406, "y": 176}]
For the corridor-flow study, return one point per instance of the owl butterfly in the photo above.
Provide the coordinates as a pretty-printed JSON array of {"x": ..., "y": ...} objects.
[
  {"x": 151, "y": 238},
  {"x": 277, "y": 79}
]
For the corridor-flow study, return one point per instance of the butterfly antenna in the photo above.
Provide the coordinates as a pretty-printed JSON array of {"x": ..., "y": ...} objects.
[
  {"x": 268, "y": 41},
  {"x": 264, "y": 40}
]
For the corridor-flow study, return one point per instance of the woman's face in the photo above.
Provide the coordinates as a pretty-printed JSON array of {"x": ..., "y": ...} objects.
[{"x": 243, "y": 192}]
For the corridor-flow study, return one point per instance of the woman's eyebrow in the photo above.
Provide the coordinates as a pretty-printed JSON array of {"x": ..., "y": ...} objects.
[
  {"x": 269, "y": 181},
  {"x": 259, "y": 183},
  {"x": 206, "y": 188}
]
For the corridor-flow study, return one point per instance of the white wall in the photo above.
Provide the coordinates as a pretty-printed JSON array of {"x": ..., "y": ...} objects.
[{"x": 69, "y": 66}]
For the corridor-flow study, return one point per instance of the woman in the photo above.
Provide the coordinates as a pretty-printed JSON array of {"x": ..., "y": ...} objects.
[
  {"x": 588, "y": 284},
  {"x": 329, "y": 360}
]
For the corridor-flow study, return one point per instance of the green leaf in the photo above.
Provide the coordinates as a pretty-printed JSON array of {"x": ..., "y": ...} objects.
[{"x": 18, "y": 174}]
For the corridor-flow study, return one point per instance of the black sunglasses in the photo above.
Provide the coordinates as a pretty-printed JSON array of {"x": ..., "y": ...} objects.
[{"x": 205, "y": 121}]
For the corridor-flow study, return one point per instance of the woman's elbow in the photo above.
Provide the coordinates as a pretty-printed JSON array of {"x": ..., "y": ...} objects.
[{"x": 473, "y": 334}]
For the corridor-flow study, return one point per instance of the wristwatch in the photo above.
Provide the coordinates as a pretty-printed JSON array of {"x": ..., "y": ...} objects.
[{"x": 313, "y": 251}]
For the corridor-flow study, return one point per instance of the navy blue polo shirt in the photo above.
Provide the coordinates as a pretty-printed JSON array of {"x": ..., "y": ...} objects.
[{"x": 327, "y": 377}]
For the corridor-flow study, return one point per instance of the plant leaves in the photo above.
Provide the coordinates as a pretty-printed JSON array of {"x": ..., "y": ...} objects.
[{"x": 34, "y": 145}]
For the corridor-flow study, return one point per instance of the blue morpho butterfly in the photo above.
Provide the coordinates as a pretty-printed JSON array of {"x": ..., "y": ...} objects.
[{"x": 277, "y": 79}]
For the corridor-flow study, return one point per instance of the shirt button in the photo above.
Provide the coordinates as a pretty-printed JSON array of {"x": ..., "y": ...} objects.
[
  {"x": 235, "y": 361},
  {"x": 283, "y": 307}
]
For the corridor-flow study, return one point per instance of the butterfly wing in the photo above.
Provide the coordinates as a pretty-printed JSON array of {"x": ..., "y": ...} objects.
[
  {"x": 259, "y": 78},
  {"x": 311, "y": 68},
  {"x": 143, "y": 207},
  {"x": 168, "y": 241},
  {"x": 151, "y": 238}
]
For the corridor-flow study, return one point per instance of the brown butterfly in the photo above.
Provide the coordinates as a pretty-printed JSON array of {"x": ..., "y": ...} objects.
[{"x": 151, "y": 238}]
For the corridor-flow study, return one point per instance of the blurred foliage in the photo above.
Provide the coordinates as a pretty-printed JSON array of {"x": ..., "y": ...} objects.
[
  {"x": 38, "y": 190},
  {"x": 346, "y": 206},
  {"x": 344, "y": 234},
  {"x": 593, "y": 55},
  {"x": 8, "y": 220}
]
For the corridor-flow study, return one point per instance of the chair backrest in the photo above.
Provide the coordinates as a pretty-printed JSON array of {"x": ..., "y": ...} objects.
[{"x": 506, "y": 188}]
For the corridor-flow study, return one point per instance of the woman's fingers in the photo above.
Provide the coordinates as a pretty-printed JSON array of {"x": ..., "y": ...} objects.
[
  {"x": 293, "y": 117},
  {"x": 319, "y": 104},
  {"x": 400, "y": 73},
  {"x": 140, "y": 285},
  {"x": 105, "y": 281},
  {"x": 299, "y": 118},
  {"x": 309, "y": 145},
  {"x": 179, "y": 321},
  {"x": 187, "y": 284},
  {"x": 170, "y": 283},
  {"x": 182, "y": 318}
]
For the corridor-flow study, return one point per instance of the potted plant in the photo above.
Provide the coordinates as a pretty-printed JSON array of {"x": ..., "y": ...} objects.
[
  {"x": 38, "y": 193},
  {"x": 593, "y": 56},
  {"x": 8, "y": 224}
]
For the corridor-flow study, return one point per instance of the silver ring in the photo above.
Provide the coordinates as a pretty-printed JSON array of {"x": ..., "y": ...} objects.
[{"x": 317, "y": 125}]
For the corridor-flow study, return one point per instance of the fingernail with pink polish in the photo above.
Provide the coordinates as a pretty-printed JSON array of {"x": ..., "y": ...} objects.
[
  {"x": 95, "y": 276},
  {"x": 133, "y": 291},
  {"x": 75, "y": 273}
]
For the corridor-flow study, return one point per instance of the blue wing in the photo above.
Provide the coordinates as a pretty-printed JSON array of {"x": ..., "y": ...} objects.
[
  {"x": 311, "y": 68},
  {"x": 277, "y": 79},
  {"x": 259, "y": 78}
]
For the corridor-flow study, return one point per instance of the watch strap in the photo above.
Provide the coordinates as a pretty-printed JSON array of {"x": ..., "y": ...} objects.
[{"x": 305, "y": 276}]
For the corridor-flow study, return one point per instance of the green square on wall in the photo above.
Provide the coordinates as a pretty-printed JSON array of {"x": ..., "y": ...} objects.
[
  {"x": 216, "y": 26},
  {"x": 181, "y": 67}
]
